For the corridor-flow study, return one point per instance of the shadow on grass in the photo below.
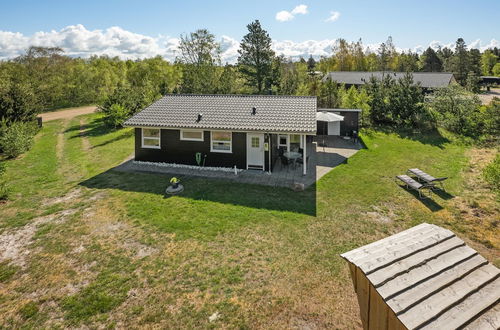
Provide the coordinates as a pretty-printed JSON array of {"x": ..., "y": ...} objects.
[
  {"x": 431, "y": 137},
  {"x": 215, "y": 190},
  {"x": 428, "y": 202},
  {"x": 443, "y": 194},
  {"x": 95, "y": 127}
]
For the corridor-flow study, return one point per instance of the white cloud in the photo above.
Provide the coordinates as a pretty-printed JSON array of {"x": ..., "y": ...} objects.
[
  {"x": 300, "y": 9},
  {"x": 284, "y": 15},
  {"x": 76, "y": 40},
  {"x": 334, "y": 15}
]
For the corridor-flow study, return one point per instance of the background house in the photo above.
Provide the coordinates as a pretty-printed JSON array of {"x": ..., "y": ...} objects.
[{"x": 427, "y": 80}]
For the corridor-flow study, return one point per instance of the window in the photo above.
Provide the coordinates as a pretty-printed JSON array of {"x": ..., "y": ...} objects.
[
  {"x": 255, "y": 142},
  {"x": 151, "y": 138},
  {"x": 220, "y": 141},
  {"x": 283, "y": 141},
  {"x": 191, "y": 135},
  {"x": 295, "y": 142}
]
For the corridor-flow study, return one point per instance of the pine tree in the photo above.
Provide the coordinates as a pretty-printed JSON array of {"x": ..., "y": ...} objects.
[
  {"x": 311, "y": 64},
  {"x": 431, "y": 61},
  {"x": 460, "y": 61},
  {"x": 256, "y": 56}
]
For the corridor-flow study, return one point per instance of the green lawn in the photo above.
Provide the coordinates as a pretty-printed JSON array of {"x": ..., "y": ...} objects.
[{"x": 107, "y": 248}]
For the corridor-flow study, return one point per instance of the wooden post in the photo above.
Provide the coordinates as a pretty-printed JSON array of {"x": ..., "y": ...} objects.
[{"x": 304, "y": 156}]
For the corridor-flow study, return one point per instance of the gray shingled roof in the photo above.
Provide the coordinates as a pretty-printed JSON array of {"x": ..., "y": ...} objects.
[
  {"x": 431, "y": 279},
  {"x": 293, "y": 114},
  {"x": 426, "y": 79}
]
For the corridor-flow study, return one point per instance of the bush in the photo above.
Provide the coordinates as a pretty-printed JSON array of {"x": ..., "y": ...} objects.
[
  {"x": 491, "y": 173},
  {"x": 17, "y": 138},
  {"x": 4, "y": 192},
  {"x": 129, "y": 99},
  {"x": 115, "y": 115}
]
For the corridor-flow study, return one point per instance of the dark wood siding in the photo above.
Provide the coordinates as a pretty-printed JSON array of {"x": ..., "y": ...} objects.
[
  {"x": 174, "y": 150},
  {"x": 350, "y": 123}
]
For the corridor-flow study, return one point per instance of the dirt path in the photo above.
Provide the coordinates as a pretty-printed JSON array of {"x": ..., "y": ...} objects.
[
  {"x": 487, "y": 97},
  {"x": 68, "y": 113}
]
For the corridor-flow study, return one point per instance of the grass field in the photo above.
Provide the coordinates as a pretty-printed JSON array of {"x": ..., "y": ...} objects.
[{"x": 85, "y": 245}]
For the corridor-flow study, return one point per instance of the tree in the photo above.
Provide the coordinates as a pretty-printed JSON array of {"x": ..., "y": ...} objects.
[
  {"x": 200, "y": 54},
  {"x": 475, "y": 61},
  {"x": 311, "y": 64},
  {"x": 256, "y": 56},
  {"x": 385, "y": 52},
  {"x": 460, "y": 61},
  {"x": 431, "y": 61},
  {"x": 359, "y": 58},
  {"x": 329, "y": 95},
  {"x": 342, "y": 55},
  {"x": 18, "y": 102},
  {"x": 446, "y": 55},
  {"x": 405, "y": 103},
  {"x": 488, "y": 61},
  {"x": 472, "y": 83},
  {"x": 496, "y": 70},
  {"x": 456, "y": 109}
]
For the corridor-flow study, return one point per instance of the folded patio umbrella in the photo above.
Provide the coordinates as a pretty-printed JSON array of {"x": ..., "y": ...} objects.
[{"x": 328, "y": 116}]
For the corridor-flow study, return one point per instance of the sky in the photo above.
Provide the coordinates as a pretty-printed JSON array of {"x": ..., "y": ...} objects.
[{"x": 138, "y": 29}]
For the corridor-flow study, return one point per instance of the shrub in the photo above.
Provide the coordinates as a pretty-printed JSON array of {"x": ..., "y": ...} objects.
[
  {"x": 115, "y": 115},
  {"x": 4, "y": 192},
  {"x": 17, "y": 138},
  {"x": 491, "y": 173},
  {"x": 130, "y": 99}
]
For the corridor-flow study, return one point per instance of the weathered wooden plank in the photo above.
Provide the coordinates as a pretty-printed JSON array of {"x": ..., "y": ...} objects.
[
  {"x": 353, "y": 255},
  {"x": 421, "y": 291},
  {"x": 473, "y": 305},
  {"x": 489, "y": 320},
  {"x": 427, "y": 261},
  {"x": 396, "y": 253},
  {"x": 378, "y": 311},
  {"x": 363, "y": 293},
  {"x": 392, "y": 241},
  {"x": 450, "y": 296},
  {"x": 393, "y": 322},
  {"x": 352, "y": 270}
]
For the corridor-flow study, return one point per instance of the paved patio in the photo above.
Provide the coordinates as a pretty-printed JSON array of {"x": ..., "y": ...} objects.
[{"x": 325, "y": 153}]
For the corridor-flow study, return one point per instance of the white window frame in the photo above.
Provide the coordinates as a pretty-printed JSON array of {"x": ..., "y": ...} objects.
[
  {"x": 182, "y": 138},
  {"x": 150, "y": 138},
  {"x": 222, "y": 151},
  {"x": 288, "y": 139},
  {"x": 286, "y": 145}
]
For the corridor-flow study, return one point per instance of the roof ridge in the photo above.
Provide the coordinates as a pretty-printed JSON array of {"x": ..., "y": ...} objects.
[{"x": 403, "y": 72}]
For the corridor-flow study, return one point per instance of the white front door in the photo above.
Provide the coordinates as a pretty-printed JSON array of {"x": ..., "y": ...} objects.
[
  {"x": 255, "y": 151},
  {"x": 334, "y": 128}
]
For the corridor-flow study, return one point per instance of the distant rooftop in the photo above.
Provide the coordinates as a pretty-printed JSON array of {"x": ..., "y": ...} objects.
[{"x": 426, "y": 79}]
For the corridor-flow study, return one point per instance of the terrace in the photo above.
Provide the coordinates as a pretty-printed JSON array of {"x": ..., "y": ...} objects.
[{"x": 324, "y": 152}]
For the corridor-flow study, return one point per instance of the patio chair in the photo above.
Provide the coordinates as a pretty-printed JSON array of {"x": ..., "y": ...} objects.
[
  {"x": 285, "y": 162},
  {"x": 427, "y": 178},
  {"x": 412, "y": 184}
]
